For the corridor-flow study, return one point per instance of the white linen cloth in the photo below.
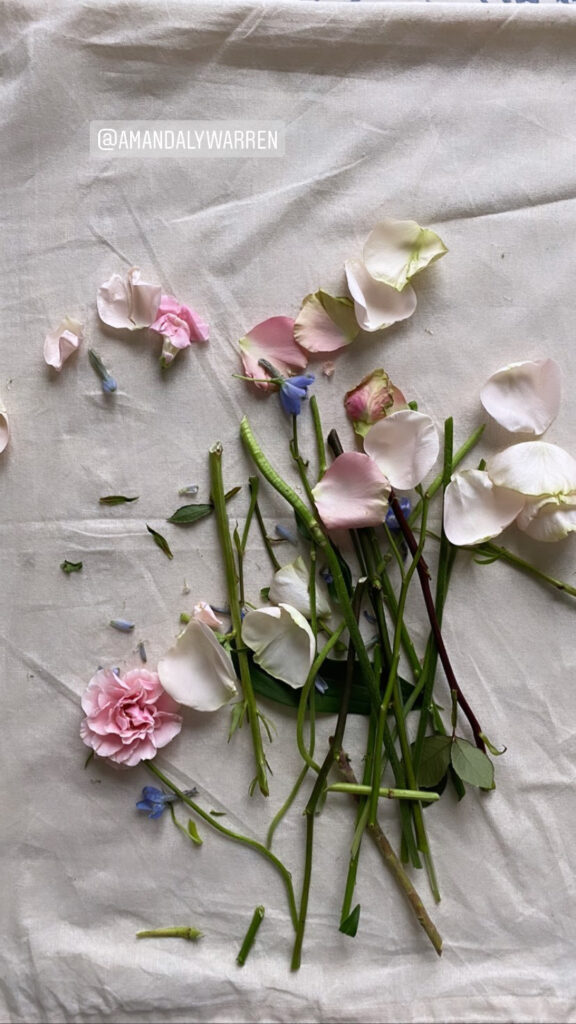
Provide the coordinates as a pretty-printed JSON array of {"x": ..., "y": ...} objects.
[{"x": 460, "y": 117}]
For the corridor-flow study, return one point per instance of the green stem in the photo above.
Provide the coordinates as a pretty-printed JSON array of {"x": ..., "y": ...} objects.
[
  {"x": 461, "y": 454},
  {"x": 306, "y": 690},
  {"x": 253, "y": 481},
  {"x": 217, "y": 494},
  {"x": 391, "y": 794},
  {"x": 498, "y": 552},
  {"x": 257, "y": 918},
  {"x": 170, "y": 933},
  {"x": 234, "y": 836},
  {"x": 320, "y": 446}
]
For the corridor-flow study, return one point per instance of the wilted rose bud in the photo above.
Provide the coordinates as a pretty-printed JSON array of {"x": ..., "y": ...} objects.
[{"x": 372, "y": 399}]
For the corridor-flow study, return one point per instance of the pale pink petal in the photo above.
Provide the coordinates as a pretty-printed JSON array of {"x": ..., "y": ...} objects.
[
  {"x": 60, "y": 343},
  {"x": 4, "y": 430},
  {"x": 325, "y": 323},
  {"x": 173, "y": 328},
  {"x": 203, "y": 613},
  {"x": 396, "y": 250},
  {"x": 524, "y": 397},
  {"x": 197, "y": 671},
  {"x": 273, "y": 340},
  {"x": 145, "y": 299},
  {"x": 549, "y": 519},
  {"x": 475, "y": 510},
  {"x": 171, "y": 312},
  {"x": 128, "y": 302},
  {"x": 533, "y": 468},
  {"x": 352, "y": 493},
  {"x": 377, "y": 305},
  {"x": 282, "y": 641},
  {"x": 199, "y": 329},
  {"x": 405, "y": 446}
]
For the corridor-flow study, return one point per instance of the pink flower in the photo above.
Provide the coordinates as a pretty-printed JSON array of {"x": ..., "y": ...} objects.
[
  {"x": 371, "y": 400},
  {"x": 128, "y": 718},
  {"x": 179, "y": 325}
]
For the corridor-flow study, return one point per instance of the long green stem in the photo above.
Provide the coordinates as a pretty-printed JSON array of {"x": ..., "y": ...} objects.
[
  {"x": 217, "y": 493},
  {"x": 459, "y": 455},
  {"x": 391, "y": 794},
  {"x": 235, "y": 836},
  {"x": 320, "y": 446},
  {"x": 496, "y": 552}
]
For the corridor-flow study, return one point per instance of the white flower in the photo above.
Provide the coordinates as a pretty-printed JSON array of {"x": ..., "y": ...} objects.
[
  {"x": 282, "y": 641},
  {"x": 60, "y": 343},
  {"x": 197, "y": 671},
  {"x": 128, "y": 302}
]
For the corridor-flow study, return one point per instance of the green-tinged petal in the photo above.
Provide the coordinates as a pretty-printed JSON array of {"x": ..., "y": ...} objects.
[
  {"x": 197, "y": 671},
  {"x": 325, "y": 323},
  {"x": 371, "y": 400},
  {"x": 282, "y": 641},
  {"x": 396, "y": 250},
  {"x": 534, "y": 468},
  {"x": 376, "y": 304},
  {"x": 290, "y": 586}
]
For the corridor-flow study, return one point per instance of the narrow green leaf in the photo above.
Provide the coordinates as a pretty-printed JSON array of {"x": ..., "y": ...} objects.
[
  {"x": 350, "y": 925},
  {"x": 231, "y": 493},
  {"x": 69, "y": 567},
  {"x": 493, "y": 750},
  {"x": 187, "y": 514},
  {"x": 160, "y": 541},
  {"x": 472, "y": 765},
  {"x": 218, "y": 814},
  {"x": 434, "y": 760},
  {"x": 116, "y": 499},
  {"x": 236, "y": 718},
  {"x": 193, "y": 833}
]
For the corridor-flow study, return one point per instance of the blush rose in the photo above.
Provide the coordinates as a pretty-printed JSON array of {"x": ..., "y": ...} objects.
[{"x": 128, "y": 718}]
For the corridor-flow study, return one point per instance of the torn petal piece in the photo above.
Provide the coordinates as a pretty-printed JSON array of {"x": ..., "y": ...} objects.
[
  {"x": 4, "y": 429},
  {"x": 197, "y": 671},
  {"x": 396, "y": 250},
  {"x": 405, "y": 446},
  {"x": 282, "y": 641},
  {"x": 128, "y": 302},
  {"x": 272, "y": 340},
  {"x": 377, "y": 305},
  {"x": 533, "y": 468},
  {"x": 290, "y": 586},
  {"x": 325, "y": 323},
  {"x": 475, "y": 510},
  {"x": 60, "y": 343},
  {"x": 524, "y": 397},
  {"x": 202, "y": 612},
  {"x": 352, "y": 493},
  {"x": 372, "y": 399}
]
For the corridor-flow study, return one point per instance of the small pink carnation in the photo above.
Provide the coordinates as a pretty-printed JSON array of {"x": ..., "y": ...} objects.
[
  {"x": 128, "y": 718},
  {"x": 180, "y": 324}
]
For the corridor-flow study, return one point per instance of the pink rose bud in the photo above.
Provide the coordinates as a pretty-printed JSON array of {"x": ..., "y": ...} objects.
[{"x": 371, "y": 400}]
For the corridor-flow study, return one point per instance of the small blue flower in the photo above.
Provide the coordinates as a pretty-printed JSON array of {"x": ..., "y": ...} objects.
[
  {"x": 320, "y": 685},
  {"x": 293, "y": 391},
  {"x": 156, "y": 800},
  {"x": 406, "y": 507},
  {"x": 122, "y": 625}
]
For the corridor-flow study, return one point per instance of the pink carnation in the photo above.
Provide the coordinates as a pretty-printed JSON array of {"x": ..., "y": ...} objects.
[
  {"x": 128, "y": 718},
  {"x": 179, "y": 323}
]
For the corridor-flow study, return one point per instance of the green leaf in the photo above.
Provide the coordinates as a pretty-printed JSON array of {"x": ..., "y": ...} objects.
[
  {"x": 69, "y": 567},
  {"x": 116, "y": 499},
  {"x": 350, "y": 925},
  {"x": 434, "y": 760},
  {"x": 236, "y": 718},
  {"x": 193, "y": 833},
  {"x": 265, "y": 594},
  {"x": 187, "y": 514},
  {"x": 472, "y": 765},
  {"x": 218, "y": 814},
  {"x": 230, "y": 494},
  {"x": 160, "y": 541}
]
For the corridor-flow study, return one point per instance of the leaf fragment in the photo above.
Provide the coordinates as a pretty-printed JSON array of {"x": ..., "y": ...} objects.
[
  {"x": 472, "y": 765},
  {"x": 187, "y": 514},
  {"x": 350, "y": 925},
  {"x": 116, "y": 499},
  {"x": 69, "y": 567},
  {"x": 434, "y": 760},
  {"x": 160, "y": 541}
]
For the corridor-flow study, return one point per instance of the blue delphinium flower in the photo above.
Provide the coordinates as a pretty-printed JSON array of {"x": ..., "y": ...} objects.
[
  {"x": 406, "y": 507},
  {"x": 320, "y": 685},
  {"x": 156, "y": 800},
  {"x": 293, "y": 391}
]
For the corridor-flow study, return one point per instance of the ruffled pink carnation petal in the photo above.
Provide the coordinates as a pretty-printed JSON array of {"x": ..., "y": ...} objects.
[
  {"x": 273, "y": 340},
  {"x": 179, "y": 323},
  {"x": 352, "y": 493},
  {"x": 171, "y": 326}
]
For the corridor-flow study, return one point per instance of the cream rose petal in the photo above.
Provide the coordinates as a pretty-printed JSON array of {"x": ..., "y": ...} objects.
[
  {"x": 197, "y": 671},
  {"x": 524, "y": 397},
  {"x": 549, "y": 519},
  {"x": 533, "y": 468},
  {"x": 60, "y": 343},
  {"x": 290, "y": 586},
  {"x": 396, "y": 250},
  {"x": 352, "y": 493},
  {"x": 377, "y": 305},
  {"x": 325, "y": 323},
  {"x": 475, "y": 510},
  {"x": 128, "y": 302},
  {"x": 282, "y": 641},
  {"x": 405, "y": 446}
]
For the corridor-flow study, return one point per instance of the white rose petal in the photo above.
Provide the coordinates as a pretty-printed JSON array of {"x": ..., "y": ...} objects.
[
  {"x": 524, "y": 397},
  {"x": 533, "y": 468},
  {"x": 377, "y": 305},
  {"x": 549, "y": 519},
  {"x": 282, "y": 641},
  {"x": 404, "y": 446},
  {"x": 290, "y": 586},
  {"x": 396, "y": 250},
  {"x": 128, "y": 302},
  {"x": 475, "y": 510},
  {"x": 197, "y": 671}
]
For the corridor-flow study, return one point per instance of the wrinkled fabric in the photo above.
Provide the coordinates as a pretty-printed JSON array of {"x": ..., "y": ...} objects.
[{"x": 459, "y": 116}]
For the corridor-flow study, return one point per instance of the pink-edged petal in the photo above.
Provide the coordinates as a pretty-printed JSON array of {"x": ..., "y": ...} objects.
[
  {"x": 352, "y": 493},
  {"x": 282, "y": 641},
  {"x": 273, "y": 340},
  {"x": 377, "y": 305},
  {"x": 405, "y": 446},
  {"x": 524, "y": 397},
  {"x": 325, "y": 323},
  {"x": 533, "y": 468},
  {"x": 396, "y": 250},
  {"x": 475, "y": 510},
  {"x": 548, "y": 519},
  {"x": 4, "y": 430},
  {"x": 197, "y": 671},
  {"x": 371, "y": 400},
  {"x": 60, "y": 343}
]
